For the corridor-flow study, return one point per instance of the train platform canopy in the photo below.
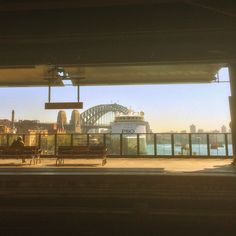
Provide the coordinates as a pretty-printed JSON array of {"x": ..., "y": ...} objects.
[{"x": 40, "y": 75}]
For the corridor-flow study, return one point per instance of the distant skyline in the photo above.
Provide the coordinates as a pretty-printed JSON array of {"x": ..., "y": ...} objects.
[{"x": 166, "y": 107}]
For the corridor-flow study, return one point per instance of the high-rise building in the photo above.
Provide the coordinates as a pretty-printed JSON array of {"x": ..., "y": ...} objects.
[
  {"x": 61, "y": 119},
  {"x": 192, "y": 128},
  {"x": 75, "y": 122},
  {"x": 223, "y": 129}
]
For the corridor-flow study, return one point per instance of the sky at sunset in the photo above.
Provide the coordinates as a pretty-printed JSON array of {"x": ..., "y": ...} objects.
[{"x": 166, "y": 107}]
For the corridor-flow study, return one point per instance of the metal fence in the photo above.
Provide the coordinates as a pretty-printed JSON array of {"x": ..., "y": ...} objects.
[{"x": 149, "y": 144}]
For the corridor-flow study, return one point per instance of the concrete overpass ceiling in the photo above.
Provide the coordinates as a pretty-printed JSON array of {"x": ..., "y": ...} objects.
[
  {"x": 117, "y": 31},
  {"x": 25, "y": 76},
  {"x": 24, "y": 5},
  {"x": 173, "y": 15},
  {"x": 147, "y": 74},
  {"x": 27, "y": 5},
  {"x": 112, "y": 75}
]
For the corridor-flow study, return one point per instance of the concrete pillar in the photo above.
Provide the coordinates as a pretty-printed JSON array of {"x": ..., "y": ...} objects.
[{"x": 232, "y": 103}]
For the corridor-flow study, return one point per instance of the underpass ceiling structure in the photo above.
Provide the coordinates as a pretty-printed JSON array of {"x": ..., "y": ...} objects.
[
  {"x": 116, "y": 42},
  {"x": 112, "y": 75}
]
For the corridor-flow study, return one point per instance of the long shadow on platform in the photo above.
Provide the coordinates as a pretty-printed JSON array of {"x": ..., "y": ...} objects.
[{"x": 219, "y": 169}]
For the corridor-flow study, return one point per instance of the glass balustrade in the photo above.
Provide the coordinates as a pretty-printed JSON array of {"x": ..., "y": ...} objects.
[
  {"x": 48, "y": 144},
  {"x": 3, "y": 140},
  {"x": 80, "y": 139},
  {"x": 163, "y": 144},
  {"x": 158, "y": 144},
  {"x": 199, "y": 144},
  {"x": 96, "y": 139},
  {"x": 181, "y": 144},
  {"x": 130, "y": 144},
  {"x": 147, "y": 144},
  {"x": 63, "y": 140},
  {"x": 114, "y": 144},
  {"x": 31, "y": 139},
  {"x": 217, "y": 145}
]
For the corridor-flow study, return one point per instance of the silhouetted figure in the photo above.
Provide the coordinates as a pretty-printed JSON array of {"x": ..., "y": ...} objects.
[{"x": 18, "y": 144}]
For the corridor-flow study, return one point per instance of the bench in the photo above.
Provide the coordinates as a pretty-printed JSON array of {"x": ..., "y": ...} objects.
[
  {"x": 86, "y": 151},
  {"x": 32, "y": 152}
]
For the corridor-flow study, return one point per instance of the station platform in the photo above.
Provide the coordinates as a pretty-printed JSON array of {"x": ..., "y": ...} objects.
[{"x": 123, "y": 166}]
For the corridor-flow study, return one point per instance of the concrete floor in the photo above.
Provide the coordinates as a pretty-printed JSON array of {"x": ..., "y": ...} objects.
[{"x": 152, "y": 165}]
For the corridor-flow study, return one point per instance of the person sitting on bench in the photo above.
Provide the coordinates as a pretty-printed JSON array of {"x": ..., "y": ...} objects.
[{"x": 18, "y": 144}]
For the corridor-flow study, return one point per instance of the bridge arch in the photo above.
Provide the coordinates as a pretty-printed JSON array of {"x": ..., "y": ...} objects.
[{"x": 89, "y": 117}]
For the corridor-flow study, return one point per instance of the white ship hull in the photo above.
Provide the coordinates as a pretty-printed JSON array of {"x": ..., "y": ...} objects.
[
  {"x": 128, "y": 127},
  {"x": 129, "y": 137}
]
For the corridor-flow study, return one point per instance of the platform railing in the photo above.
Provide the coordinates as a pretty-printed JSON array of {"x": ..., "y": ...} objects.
[{"x": 142, "y": 144}]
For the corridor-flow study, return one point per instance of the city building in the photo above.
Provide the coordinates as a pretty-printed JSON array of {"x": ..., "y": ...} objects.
[
  {"x": 200, "y": 131},
  {"x": 216, "y": 131},
  {"x": 75, "y": 122},
  {"x": 24, "y": 126},
  {"x": 61, "y": 120},
  {"x": 4, "y": 129},
  {"x": 31, "y": 139},
  {"x": 192, "y": 128},
  {"x": 223, "y": 129},
  {"x": 73, "y": 127}
]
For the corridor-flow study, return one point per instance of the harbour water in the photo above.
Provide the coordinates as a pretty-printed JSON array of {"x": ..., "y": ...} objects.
[{"x": 197, "y": 150}]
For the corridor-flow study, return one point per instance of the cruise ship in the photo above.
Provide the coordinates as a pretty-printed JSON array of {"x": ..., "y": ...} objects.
[{"x": 130, "y": 125}]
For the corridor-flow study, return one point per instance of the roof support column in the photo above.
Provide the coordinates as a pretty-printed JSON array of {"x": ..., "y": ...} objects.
[{"x": 232, "y": 104}]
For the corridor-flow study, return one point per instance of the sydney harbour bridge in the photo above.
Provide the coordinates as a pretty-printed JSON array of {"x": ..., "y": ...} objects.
[
  {"x": 100, "y": 116},
  {"x": 95, "y": 118}
]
